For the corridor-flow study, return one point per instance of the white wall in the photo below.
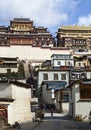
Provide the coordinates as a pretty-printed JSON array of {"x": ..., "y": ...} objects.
[
  {"x": 50, "y": 76},
  {"x": 74, "y": 99},
  {"x": 83, "y": 108},
  {"x": 20, "y": 108},
  {"x": 79, "y": 107},
  {"x": 88, "y": 74},
  {"x": 62, "y": 62},
  {"x": 4, "y": 70},
  {"x": 47, "y": 95},
  {"x": 29, "y": 52},
  {"x": 65, "y": 107},
  {"x": 56, "y": 63}
]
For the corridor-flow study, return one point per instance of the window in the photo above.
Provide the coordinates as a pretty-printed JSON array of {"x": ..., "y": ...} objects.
[
  {"x": 8, "y": 71},
  {"x": 69, "y": 63},
  {"x": 65, "y": 97},
  {"x": 55, "y": 76},
  {"x": 59, "y": 63},
  {"x": 85, "y": 92},
  {"x": 73, "y": 76},
  {"x": 79, "y": 64},
  {"x": 63, "y": 76},
  {"x": 45, "y": 76},
  {"x": 78, "y": 76}
]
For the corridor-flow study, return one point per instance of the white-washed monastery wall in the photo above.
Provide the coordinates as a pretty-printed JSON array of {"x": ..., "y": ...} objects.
[{"x": 29, "y": 52}]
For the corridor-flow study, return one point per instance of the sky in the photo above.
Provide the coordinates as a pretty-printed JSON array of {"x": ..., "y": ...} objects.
[{"x": 51, "y": 14}]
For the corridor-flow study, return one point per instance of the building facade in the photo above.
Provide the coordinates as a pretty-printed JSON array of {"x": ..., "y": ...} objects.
[
  {"x": 22, "y": 39},
  {"x": 50, "y": 93},
  {"x": 15, "y": 100},
  {"x": 80, "y": 99},
  {"x": 8, "y": 65},
  {"x": 53, "y": 75},
  {"x": 21, "y": 31},
  {"x": 58, "y": 60},
  {"x": 77, "y": 38}
]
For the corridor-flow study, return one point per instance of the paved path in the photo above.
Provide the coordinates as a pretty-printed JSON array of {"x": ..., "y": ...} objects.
[{"x": 57, "y": 122}]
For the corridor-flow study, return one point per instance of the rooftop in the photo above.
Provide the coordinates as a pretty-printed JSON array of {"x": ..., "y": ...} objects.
[
  {"x": 22, "y": 19},
  {"x": 75, "y": 27}
]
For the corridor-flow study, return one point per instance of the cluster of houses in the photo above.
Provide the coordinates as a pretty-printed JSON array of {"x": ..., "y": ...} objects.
[
  {"x": 15, "y": 95},
  {"x": 15, "y": 100},
  {"x": 67, "y": 84},
  {"x": 63, "y": 72},
  {"x": 65, "y": 81}
]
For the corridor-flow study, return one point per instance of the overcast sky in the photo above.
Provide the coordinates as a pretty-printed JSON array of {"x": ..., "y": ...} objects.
[{"x": 48, "y": 13}]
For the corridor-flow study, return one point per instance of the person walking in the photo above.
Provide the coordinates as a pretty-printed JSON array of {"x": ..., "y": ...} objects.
[{"x": 51, "y": 112}]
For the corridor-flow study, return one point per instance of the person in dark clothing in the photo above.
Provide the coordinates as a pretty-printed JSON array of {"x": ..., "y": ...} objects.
[
  {"x": 17, "y": 125},
  {"x": 30, "y": 80},
  {"x": 51, "y": 112},
  {"x": 42, "y": 106},
  {"x": 52, "y": 109}
]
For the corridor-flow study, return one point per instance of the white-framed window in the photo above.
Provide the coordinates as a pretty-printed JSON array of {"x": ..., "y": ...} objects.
[
  {"x": 69, "y": 63},
  {"x": 45, "y": 76},
  {"x": 63, "y": 76},
  {"x": 55, "y": 76},
  {"x": 78, "y": 76},
  {"x": 58, "y": 62}
]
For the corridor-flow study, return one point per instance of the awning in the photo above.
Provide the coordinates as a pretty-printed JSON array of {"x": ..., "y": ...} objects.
[{"x": 57, "y": 85}]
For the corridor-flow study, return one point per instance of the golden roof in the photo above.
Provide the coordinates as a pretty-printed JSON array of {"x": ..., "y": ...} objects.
[{"x": 76, "y": 27}]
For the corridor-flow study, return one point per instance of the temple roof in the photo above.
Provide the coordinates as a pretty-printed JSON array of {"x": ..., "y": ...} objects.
[
  {"x": 22, "y": 19},
  {"x": 76, "y": 27}
]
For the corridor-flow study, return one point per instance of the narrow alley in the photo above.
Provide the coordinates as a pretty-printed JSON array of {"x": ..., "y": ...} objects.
[{"x": 58, "y": 121}]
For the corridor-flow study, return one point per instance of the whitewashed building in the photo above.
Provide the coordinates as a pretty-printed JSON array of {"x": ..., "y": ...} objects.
[
  {"x": 28, "y": 52},
  {"x": 80, "y": 99},
  {"x": 64, "y": 59},
  {"x": 50, "y": 93},
  {"x": 15, "y": 100},
  {"x": 48, "y": 89},
  {"x": 8, "y": 64},
  {"x": 53, "y": 75},
  {"x": 62, "y": 100}
]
